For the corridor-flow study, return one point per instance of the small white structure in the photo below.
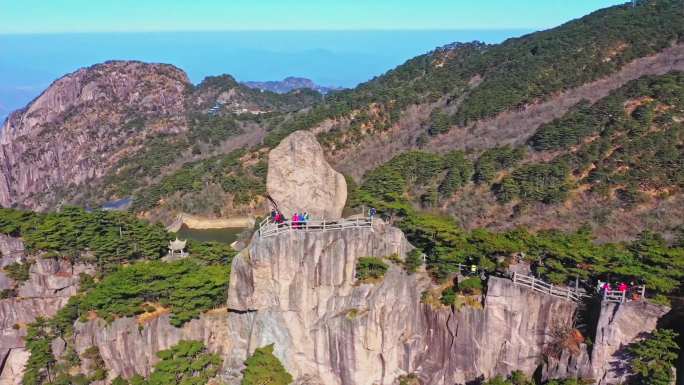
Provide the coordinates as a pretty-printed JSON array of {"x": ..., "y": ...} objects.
[{"x": 177, "y": 246}]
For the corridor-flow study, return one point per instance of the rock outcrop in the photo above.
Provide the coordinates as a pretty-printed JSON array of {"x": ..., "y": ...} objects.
[
  {"x": 618, "y": 326},
  {"x": 299, "y": 178},
  {"x": 129, "y": 346},
  {"x": 80, "y": 126},
  {"x": 298, "y": 291},
  {"x": 50, "y": 284},
  {"x": 328, "y": 327}
]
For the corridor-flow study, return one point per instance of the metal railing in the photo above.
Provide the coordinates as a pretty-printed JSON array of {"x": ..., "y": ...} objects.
[
  {"x": 13, "y": 252},
  {"x": 547, "y": 288},
  {"x": 634, "y": 294},
  {"x": 269, "y": 228}
]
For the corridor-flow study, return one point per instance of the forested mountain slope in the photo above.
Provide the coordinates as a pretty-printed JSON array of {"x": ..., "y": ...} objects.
[
  {"x": 615, "y": 165},
  {"x": 429, "y": 102},
  {"x": 482, "y": 93},
  {"x": 115, "y": 125},
  {"x": 468, "y": 96}
]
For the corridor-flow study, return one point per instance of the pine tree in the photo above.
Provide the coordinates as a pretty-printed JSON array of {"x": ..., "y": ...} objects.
[
  {"x": 265, "y": 368},
  {"x": 653, "y": 358}
]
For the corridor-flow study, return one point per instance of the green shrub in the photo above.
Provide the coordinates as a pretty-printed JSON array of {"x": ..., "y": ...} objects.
[
  {"x": 459, "y": 172},
  {"x": 370, "y": 268},
  {"x": 185, "y": 286},
  {"x": 119, "y": 381},
  {"x": 414, "y": 259},
  {"x": 627, "y": 152},
  {"x": 448, "y": 296},
  {"x": 111, "y": 237},
  {"x": 517, "y": 377},
  {"x": 439, "y": 123},
  {"x": 470, "y": 286},
  {"x": 652, "y": 359},
  {"x": 494, "y": 160},
  {"x": 545, "y": 182},
  {"x": 409, "y": 379},
  {"x": 225, "y": 171},
  {"x": 265, "y": 368},
  {"x": 187, "y": 362},
  {"x": 18, "y": 271}
]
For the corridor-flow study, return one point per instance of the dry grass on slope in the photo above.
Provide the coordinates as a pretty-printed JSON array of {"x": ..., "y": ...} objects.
[{"x": 510, "y": 127}]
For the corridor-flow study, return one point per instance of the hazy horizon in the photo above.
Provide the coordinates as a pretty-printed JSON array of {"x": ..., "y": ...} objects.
[
  {"x": 332, "y": 43},
  {"x": 31, "y": 62}
]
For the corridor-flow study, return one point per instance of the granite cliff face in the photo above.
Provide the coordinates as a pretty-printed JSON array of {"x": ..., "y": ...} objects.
[
  {"x": 299, "y": 178},
  {"x": 328, "y": 327},
  {"x": 51, "y": 282},
  {"x": 298, "y": 290},
  {"x": 619, "y": 325},
  {"x": 83, "y": 124},
  {"x": 331, "y": 329}
]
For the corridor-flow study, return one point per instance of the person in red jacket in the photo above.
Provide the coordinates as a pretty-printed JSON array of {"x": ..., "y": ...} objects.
[{"x": 622, "y": 287}]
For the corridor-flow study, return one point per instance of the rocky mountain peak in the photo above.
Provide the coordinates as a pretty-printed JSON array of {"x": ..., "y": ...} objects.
[
  {"x": 299, "y": 178},
  {"x": 76, "y": 129},
  {"x": 143, "y": 88},
  {"x": 289, "y": 84}
]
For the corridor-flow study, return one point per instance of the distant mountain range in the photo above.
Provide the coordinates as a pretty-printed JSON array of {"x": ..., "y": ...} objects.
[
  {"x": 290, "y": 84},
  {"x": 519, "y": 117}
]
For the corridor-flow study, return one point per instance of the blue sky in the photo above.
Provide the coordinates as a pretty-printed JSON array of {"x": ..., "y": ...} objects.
[{"x": 60, "y": 16}]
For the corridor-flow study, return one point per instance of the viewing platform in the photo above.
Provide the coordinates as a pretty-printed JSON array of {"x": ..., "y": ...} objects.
[
  {"x": 547, "y": 288},
  {"x": 268, "y": 228},
  {"x": 635, "y": 294}
]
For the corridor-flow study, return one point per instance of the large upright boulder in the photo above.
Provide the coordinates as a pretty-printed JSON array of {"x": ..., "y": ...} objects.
[{"x": 299, "y": 178}]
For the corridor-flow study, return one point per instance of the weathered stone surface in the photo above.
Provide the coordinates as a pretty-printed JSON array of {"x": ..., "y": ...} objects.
[
  {"x": 509, "y": 333},
  {"x": 128, "y": 349},
  {"x": 52, "y": 278},
  {"x": 327, "y": 327},
  {"x": 299, "y": 178},
  {"x": 298, "y": 290},
  {"x": 13, "y": 369},
  {"x": 618, "y": 326},
  {"x": 11, "y": 251},
  {"x": 74, "y": 131},
  {"x": 51, "y": 282}
]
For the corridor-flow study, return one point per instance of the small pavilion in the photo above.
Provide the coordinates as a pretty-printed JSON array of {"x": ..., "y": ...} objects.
[{"x": 177, "y": 247}]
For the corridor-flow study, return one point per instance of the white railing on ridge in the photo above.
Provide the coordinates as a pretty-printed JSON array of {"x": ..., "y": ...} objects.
[
  {"x": 547, "y": 288},
  {"x": 622, "y": 297},
  {"x": 269, "y": 228}
]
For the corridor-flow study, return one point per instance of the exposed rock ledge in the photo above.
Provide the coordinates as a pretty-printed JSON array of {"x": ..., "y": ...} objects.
[
  {"x": 51, "y": 282},
  {"x": 298, "y": 290}
]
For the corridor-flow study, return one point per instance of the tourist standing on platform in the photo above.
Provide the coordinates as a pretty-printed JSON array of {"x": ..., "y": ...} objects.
[
  {"x": 606, "y": 287},
  {"x": 372, "y": 212},
  {"x": 599, "y": 286},
  {"x": 622, "y": 287}
]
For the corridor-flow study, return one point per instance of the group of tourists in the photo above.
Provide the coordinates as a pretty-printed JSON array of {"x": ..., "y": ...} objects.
[
  {"x": 299, "y": 219},
  {"x": 631, "y": 290}
]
